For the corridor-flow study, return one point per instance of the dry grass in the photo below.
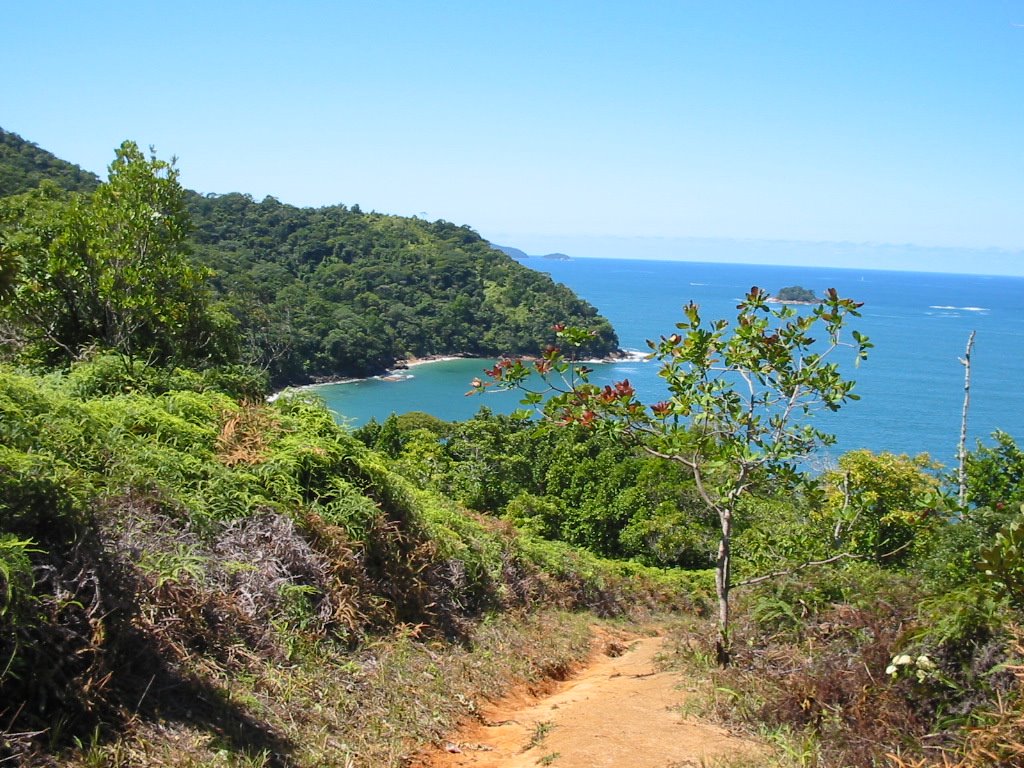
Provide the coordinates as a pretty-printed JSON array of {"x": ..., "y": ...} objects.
[
  {"x": 998, "y": 742},
  {"x": 330, "y": 708},
  {"x": 246, "y": 436},
  {"x": 823, "y": 699}
]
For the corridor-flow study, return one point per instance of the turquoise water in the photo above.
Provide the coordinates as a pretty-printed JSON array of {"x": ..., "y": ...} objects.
[
  {"x": 911, "y": 386},
  {"x": 438, "y": 388}
]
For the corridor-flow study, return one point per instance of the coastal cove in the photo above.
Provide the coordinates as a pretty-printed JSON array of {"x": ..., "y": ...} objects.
[{"x": 911, "y": 386}]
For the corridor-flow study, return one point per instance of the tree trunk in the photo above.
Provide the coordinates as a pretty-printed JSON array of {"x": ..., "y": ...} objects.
[
  {"x": 962, "y": 453},
  {"x": 723, "y": 578}
]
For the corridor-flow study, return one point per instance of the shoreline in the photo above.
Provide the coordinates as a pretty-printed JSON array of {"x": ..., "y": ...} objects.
[
  {"x": 413, "y": 362},
  {"x": 391, "y": 374},
  {"x": 774, "y": 300},
  {"x": 396, "y": 372}
]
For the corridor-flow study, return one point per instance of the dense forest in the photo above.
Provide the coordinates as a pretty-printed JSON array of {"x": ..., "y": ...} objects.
[
  {"x": 303, "y": 293},
  {"x": 323, "y": 291},
  {"x": 191, "y": 574},
  {"x": 23, "y": 165}
]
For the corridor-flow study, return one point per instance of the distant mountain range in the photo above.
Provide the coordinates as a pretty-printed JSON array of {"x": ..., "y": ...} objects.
[{"x": 515, "y": 253}]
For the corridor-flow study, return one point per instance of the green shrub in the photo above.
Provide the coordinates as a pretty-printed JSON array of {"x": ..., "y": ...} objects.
[
  {"x": 242, "y": 382},
  {"x": 995, "y": 475},
  {"x": 15, "y": 576},
  {"x": 538, "y": 515},
  {"x": 344, "y": 506},
  {"x": 41, "y": 497},
  {"x": 1003, "y": 560},
  {"x": 954, "y": 552}
]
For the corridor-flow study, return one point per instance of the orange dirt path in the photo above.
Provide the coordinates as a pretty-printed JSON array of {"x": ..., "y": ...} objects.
[{"x": 618, "y": 711}]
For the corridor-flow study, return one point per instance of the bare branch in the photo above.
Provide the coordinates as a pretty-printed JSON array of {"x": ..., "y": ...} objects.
[
  {"x": 797, "y": 568},
  {"x": 814, "y": 564}
]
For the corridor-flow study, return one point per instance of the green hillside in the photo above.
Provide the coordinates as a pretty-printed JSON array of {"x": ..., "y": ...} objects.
[
  {"x": 23, "y": 165},
  {"x": 333, "y": 290},
  {"x": 193, "y": 574},
  {"x": 329, "y": 292}
]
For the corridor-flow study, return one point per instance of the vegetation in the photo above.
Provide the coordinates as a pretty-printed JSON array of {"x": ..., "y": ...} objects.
[
  {"x": 322, "y": 292},
  {"x": 904, "y": 646},
  {"x": 23, "y": 165},
  {"x": 161, "y": 536},
  {"x": 738, "y": 408},
  {"x": 795, "y": 294},
  {"x": 191, "y": 575},
  {"x": 569, "y": 484},
  {"x": 110, "y": 270},
  {"x": 302, "y": 293}
]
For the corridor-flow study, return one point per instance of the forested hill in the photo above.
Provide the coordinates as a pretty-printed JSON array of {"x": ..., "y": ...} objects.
[
  {"x": 333, "y": 291},
  {"x": 23, "y": 165}
]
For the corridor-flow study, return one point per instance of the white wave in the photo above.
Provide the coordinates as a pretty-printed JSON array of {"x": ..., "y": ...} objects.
[
  {"x": 960, "y": 309},
  {"x": 635, "y": 354}
]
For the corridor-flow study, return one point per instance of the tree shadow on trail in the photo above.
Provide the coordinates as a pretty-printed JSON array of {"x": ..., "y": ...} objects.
[
  {"x": 169, "y": 695},
  {"x": 85, "y": 672}
]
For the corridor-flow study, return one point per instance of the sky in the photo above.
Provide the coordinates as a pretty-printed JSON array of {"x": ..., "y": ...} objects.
[{"x": 864, "y": 134}]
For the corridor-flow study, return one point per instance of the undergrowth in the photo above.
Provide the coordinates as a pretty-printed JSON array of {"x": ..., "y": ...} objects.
[
  {"x": 864, "y": 667},
  {"x": 183, "y": 564},
  {"x": 328, "y": 707}
]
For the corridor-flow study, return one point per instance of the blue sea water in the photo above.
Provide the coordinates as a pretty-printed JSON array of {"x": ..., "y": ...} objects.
[{"x": 911, "y": 386}]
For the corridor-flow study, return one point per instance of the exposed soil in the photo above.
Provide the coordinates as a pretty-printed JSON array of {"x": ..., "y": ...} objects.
[{"x": 619, "y": 710}]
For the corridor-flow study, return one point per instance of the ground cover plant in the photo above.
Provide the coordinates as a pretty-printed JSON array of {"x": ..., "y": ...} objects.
[
  {"x": 911, "y": 661},
  {"x": 161, "y": 537}
]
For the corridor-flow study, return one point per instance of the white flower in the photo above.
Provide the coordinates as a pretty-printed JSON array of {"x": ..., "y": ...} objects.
[{"x": 902, "y": 660}]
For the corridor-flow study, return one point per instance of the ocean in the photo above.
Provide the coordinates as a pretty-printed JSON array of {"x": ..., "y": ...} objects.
[{"x": 911, "y": 386}]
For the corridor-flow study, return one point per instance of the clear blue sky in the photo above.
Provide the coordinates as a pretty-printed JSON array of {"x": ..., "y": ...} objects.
[{"x": 595, "y": 128}]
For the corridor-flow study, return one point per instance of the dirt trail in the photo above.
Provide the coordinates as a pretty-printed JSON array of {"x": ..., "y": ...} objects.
[{"x": 618, "y": 711}]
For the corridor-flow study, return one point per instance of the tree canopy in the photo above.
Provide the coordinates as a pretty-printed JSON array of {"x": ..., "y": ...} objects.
[
  {"x": 310, "y": 293},
  {"x": 333, "y": 290},
  {"x": 23, "y": 165},
  {"x": 111, "y": 269}
]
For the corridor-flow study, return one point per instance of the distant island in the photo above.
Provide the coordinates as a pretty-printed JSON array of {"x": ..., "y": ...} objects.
[
  {"x": 515, "y": 253},
  {"x": 795, "y": 294}
]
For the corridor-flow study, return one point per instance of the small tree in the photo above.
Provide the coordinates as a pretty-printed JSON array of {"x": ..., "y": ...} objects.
[
  {"x": 739, "y": 406},
  {"x": 880, "y": 504},
  {"x": 111, "y": 270},
  {"x": 145, "y": 284}
]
